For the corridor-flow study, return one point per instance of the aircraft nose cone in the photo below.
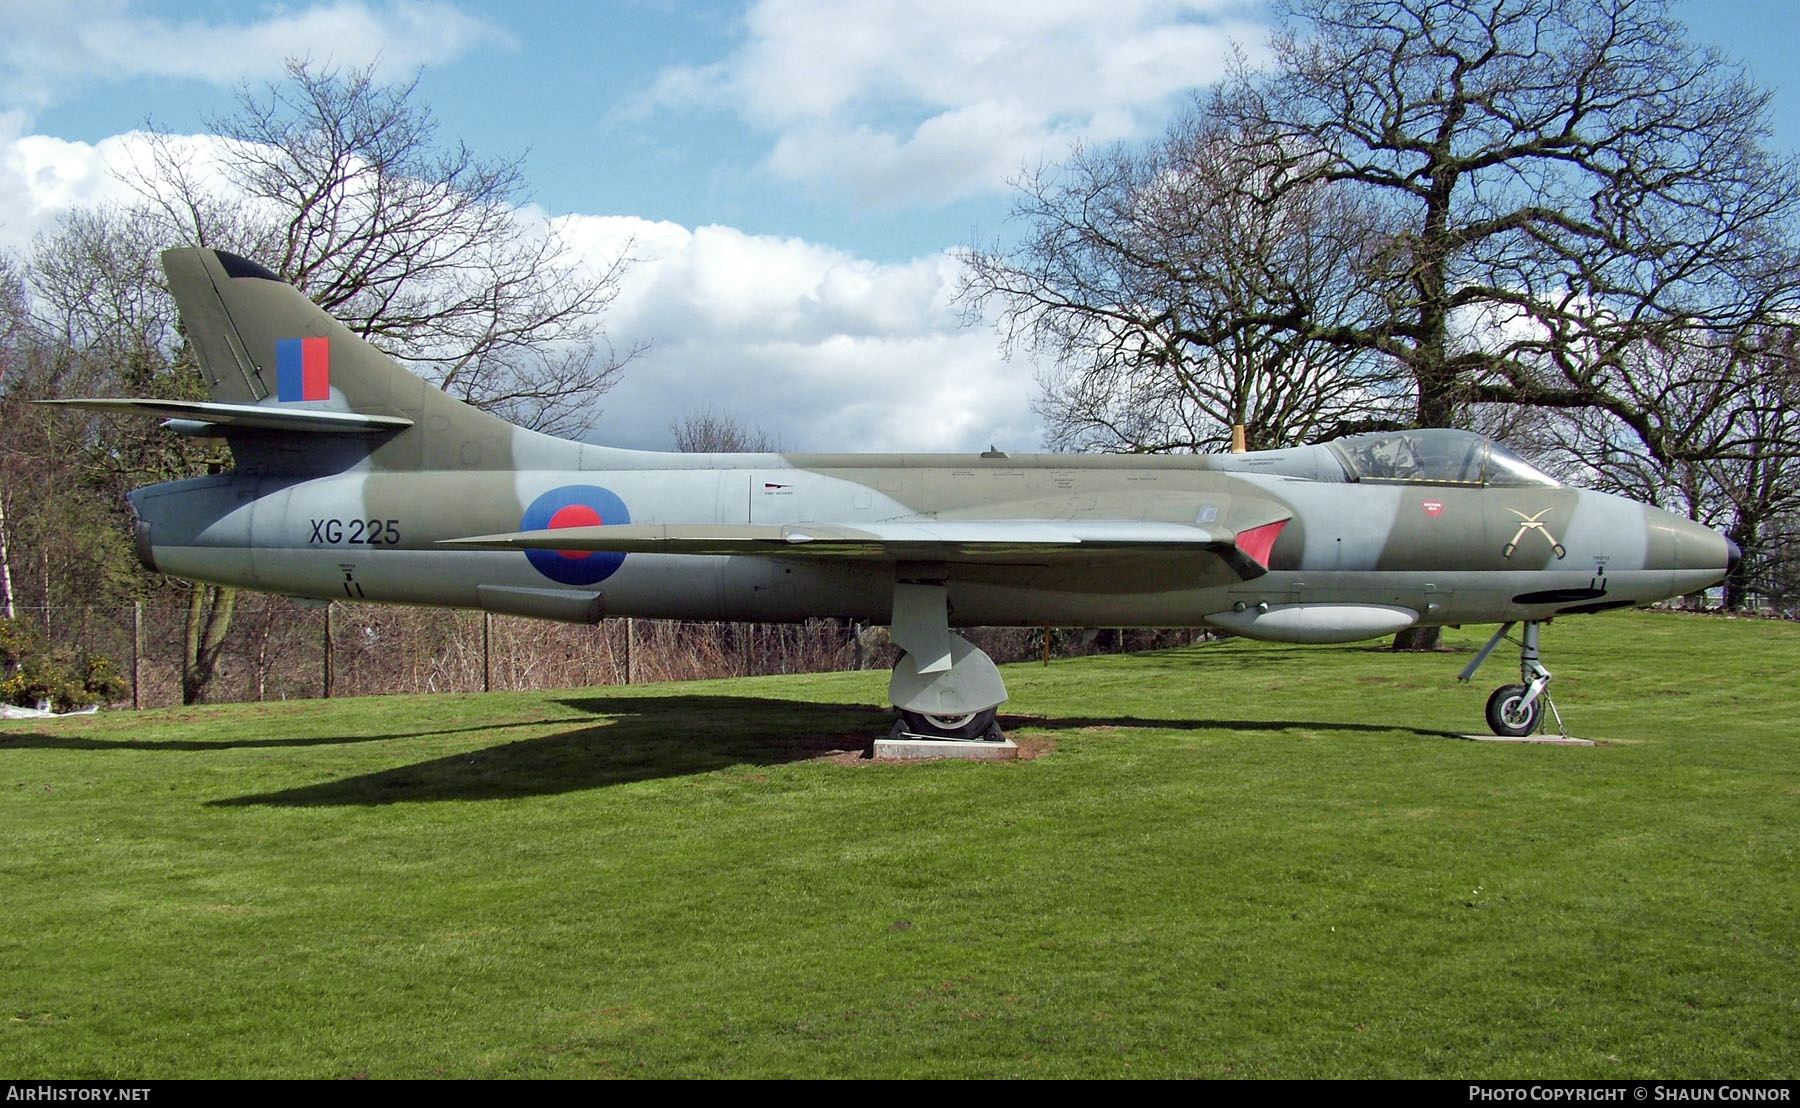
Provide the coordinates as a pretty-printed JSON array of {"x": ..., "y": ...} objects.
[{"x": 1698, "y": 555}]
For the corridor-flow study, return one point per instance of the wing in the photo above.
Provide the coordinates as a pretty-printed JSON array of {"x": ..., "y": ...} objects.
[{"x": 951, "y": 542}]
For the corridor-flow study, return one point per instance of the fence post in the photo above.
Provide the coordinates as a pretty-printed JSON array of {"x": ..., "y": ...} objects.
[
  {"x": 329, "y": 607},
  {"x": 487, "y": 651}
]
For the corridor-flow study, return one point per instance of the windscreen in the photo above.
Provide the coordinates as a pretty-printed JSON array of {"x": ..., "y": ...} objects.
[
  {"x": 1434, "y": 456},
  {"x": 1506, "y": 468}
]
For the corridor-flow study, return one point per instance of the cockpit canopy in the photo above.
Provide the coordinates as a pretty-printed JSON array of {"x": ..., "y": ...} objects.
[{"x": 1434, "y": 456}]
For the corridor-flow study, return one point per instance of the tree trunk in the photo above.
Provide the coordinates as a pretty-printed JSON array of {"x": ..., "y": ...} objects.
[
  {"x": 1419, "y": 638},
  {"x": 6, "y": 585},
  {"x": 208, "y": 621},
  {"x": 137, "y": 654},
  {"x": 1743, "y": 531}
]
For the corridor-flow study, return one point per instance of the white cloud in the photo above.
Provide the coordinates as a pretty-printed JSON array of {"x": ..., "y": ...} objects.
[
  {"x": 49, "y": 48},
  {"x": 930, "y": 101},
  {"x": 947, "y": 157},
  {"x": 42, "y": 177},
  {"x": 824, "y": 350}
]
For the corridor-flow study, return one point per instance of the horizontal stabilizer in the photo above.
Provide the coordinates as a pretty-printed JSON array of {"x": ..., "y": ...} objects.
[
  {"x": 954, "y": 541},
  {"x": 245, "y": 416}
]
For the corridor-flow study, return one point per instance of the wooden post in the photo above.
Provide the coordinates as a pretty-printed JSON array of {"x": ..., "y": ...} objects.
[
  {"x": 1237, "y": 438},
  {"x": 1046, "y": 646},
  {"x": 329, "y": 607},
  {"x": 487, "y": 651},
  {"x": 187, "y": 662},
  {"x": 630, "y": 633}
]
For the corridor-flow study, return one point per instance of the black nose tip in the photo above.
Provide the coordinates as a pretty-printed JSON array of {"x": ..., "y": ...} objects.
[{"x": 1732, "y": 555}]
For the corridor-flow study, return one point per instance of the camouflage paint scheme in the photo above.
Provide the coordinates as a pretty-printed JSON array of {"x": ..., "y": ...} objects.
[{"x": 390, "y": 490}]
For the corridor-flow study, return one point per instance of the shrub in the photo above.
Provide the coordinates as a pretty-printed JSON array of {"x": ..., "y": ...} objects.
[{"x": 31, "y": 672}]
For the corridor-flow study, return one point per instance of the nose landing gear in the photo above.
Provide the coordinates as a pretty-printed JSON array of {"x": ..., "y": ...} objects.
[{"x": 1515, "y": 711}]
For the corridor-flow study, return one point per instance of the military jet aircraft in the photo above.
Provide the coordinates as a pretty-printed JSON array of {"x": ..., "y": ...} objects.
[{"x": 354, "y": 479}]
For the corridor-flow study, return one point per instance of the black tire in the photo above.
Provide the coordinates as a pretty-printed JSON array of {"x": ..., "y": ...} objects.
[
  {"x": 1504, "y": 715},
  {"x": 971, "y": 726}
]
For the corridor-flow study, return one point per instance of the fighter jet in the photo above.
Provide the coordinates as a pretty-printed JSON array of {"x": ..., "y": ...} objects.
[{"x": 355, "y": 480}]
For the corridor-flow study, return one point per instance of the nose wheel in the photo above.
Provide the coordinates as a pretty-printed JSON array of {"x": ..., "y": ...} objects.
[
  {"x": 1515, "y": 711},
  {"x": 1511, "y": 711}
]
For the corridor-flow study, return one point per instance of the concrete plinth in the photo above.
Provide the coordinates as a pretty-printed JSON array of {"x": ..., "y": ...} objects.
[
  {"x": 1541, "y": 740},
  {"x": 905, "y": 744}
]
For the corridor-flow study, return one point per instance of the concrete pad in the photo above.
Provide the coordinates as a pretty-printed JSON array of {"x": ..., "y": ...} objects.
[
  {"x": 905, "y": 744},
  {"x": 1541, "y": 740}
]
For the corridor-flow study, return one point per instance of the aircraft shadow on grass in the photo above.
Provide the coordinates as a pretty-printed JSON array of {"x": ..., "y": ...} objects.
[
  {"x": 652, "y": 737},
  {"x": 45, "y": 740},
  {"x": 623, "y": 738},
  {"x": 638, "y": 738},
  {"x": 1074, "y": 723}
]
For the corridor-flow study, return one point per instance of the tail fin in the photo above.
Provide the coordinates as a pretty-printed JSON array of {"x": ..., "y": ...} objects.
[
  {"x": 263, "y": 344},
  {"x": 294, "y": 390},
  {"x": 261, "y": 341}
]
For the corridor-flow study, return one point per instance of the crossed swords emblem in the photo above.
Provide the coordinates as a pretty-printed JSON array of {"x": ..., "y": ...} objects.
[{"x": 1532, "y": 523}]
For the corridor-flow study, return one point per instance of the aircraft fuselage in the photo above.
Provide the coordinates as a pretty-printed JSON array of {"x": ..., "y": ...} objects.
[{"x": 1449, "y": 554}]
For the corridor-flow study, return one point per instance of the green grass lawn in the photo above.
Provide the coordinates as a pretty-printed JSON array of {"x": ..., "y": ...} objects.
[{"x": 1228, "y": 860}]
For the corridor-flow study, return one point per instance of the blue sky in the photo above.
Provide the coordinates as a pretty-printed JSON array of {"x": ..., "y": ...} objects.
[
  {"x": 793, "y": 171},
  {"x": 866, "y": 126}
]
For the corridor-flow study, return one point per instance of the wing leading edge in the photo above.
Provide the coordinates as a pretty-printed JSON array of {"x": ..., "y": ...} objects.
[{"x": 978, "y": 542}]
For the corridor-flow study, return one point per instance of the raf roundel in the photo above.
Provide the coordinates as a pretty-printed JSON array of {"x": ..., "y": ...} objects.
[{"x": 575, "y": 506}]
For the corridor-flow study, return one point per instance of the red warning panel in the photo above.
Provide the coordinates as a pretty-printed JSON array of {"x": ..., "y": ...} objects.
[{"x": 1258, "y": 541}]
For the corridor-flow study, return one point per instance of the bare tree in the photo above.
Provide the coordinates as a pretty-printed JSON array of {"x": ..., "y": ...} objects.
[
  {"x": 1566, "y": 183},
  {"x": 98, "y": 294},
  {"x": 100, "y": 309},
  {"x": 1173, "y": 296},
  {"x": 711, "y": 432},
  {"x": 1726, "y": 418},
  {"x": 59, "y": 534},
  {"x": 100, "y": 324},
  {"x": 342, "y": 186},
  {"x": 99, "y": 301}
]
